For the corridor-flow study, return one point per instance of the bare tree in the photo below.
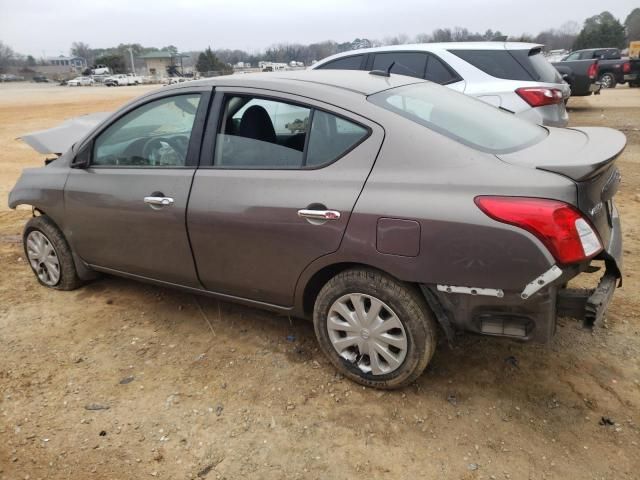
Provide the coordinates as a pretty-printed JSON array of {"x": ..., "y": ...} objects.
[
  {"x": 442, "y": 35},
  {"x": 83, "y": 50},
  {"x": 423, "y": 38}
]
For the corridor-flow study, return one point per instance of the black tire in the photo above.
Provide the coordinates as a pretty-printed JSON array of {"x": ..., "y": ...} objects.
[
  {"x": 608, "y": 80},
  {"x": 68, "y": 276},
  {"x": 407, "y": 303}
]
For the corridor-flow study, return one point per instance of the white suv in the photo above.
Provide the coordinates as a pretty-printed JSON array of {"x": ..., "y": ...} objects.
[{"x": 512, "y": 76}]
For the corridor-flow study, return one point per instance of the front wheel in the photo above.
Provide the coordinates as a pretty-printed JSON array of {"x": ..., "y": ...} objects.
[
  {"x": 608, "y": 80},
  {"x": 49, "y": 254},
  {"x": 374, "y": 329}
]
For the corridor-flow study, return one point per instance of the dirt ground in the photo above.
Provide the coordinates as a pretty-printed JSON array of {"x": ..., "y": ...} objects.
[{"x": 193, "y": 388}]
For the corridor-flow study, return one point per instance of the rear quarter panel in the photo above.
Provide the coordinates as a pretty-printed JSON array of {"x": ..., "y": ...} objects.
[{"x": 425, "y": 177}]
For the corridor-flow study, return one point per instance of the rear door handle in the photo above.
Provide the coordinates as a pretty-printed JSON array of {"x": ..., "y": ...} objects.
[
  {"x": 319, "y": 214},
  {"x": 158, "y": 202}
]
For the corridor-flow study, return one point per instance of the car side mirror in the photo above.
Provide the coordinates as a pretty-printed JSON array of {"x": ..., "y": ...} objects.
[{"x": 83, "y": 157}]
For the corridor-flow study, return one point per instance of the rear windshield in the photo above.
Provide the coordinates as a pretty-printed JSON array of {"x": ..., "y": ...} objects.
[
  {"x": 527, "y": 65},
  {"x": 497, "y": 63},
  {"x": 461, "y": 118}
]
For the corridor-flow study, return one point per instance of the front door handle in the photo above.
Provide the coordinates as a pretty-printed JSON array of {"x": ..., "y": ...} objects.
[
  {"x": 319, "y": 214},
  {"x": 158, "y": 202}
]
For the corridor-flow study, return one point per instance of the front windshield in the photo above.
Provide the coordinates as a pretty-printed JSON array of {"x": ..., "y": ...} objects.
[{"x": 464, "y": 119}]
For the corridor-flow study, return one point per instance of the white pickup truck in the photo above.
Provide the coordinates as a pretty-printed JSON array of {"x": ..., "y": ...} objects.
[{"x": 121, "y": 79}]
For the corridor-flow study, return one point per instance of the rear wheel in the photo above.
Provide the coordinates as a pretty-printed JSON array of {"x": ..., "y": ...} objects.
[
  {"x": 49, "y": 254},
  {"x": 607, "y": 80},
  {"x": 374, "y": 329}
]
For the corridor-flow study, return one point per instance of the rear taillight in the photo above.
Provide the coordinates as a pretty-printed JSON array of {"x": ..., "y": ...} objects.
[
  {"x": 540, "y": 96},
  {"x": 560, "y": 227},
  {"x": 626, "y": 67},
  {"x": 592, "y": 71}
]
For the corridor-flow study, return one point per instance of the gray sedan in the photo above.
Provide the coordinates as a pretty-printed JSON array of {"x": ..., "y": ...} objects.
[{"x": 388, "y": 209}]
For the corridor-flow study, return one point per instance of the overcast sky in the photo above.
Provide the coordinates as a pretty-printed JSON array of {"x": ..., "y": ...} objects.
[{"x": 49, "y": 27}]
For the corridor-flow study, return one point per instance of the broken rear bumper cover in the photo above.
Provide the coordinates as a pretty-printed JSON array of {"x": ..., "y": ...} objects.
[
  {"x": 532, "y": 312},
  {"x": 588, "y": 305}
]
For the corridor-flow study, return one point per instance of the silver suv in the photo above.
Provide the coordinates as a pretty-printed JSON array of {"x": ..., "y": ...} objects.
[{"x": 512, "y": 76}]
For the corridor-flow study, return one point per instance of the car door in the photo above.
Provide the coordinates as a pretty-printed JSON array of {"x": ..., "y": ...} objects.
[
  {"x": 126, "y": 210},
  {"x": 282, "y": 178}
]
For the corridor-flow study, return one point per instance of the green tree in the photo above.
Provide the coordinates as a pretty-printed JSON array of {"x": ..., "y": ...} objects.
[
  {"x": 208, "y": 62},
  {"x": 632, "y": 24},
  {"x": 115, "y": 62},
  {"x": 602, "y": 30},
  {"x": 31, "y": 62},
  {"x": 7, "y": 55},
  {"x": 172, "y": 49}
]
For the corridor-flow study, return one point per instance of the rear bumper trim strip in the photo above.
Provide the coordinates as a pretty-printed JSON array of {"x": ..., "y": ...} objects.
[{"x": 490, "y": 292}]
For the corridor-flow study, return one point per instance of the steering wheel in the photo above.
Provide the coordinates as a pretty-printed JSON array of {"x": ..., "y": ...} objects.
[
  {"x": 180, "y": 144},
  {"x": 151, "y": 146},
  {"x": 177, "y": 144}
]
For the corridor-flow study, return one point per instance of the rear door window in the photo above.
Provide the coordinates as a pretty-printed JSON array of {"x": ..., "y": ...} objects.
[
  {"x": 331, "y": 137},
  {"x": 411, "y": 64},
  {"x": 261, "y": 133},
  {"x": 438, "y": 72},
  {"x": 353, "y": 62},
  {"x": 497, "y": 63}
]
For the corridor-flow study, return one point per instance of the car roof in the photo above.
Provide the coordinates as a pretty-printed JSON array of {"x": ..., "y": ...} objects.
[
  {"x": 432, "y": 47},
  {"x": 594, "y": 49},
  {"x": 356, "y": 81}
]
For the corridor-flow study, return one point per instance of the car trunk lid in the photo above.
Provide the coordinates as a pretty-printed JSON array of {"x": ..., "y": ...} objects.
[
  {"x": 578, "y": 153},
  {"x": 587, "y": 156}
]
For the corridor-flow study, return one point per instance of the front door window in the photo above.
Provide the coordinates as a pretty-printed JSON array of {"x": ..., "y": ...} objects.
[{"x": 156, "y": 134}]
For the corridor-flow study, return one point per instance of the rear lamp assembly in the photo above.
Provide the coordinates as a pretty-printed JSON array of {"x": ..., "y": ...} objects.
[
  {"x": 540, "y": 96},
  {"x": 566, "y": 233}
]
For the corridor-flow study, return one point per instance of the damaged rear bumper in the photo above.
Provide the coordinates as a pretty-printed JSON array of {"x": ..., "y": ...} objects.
[
  {"x": 530, "y": 314},
  {"x": 588, "y": 305},
  {"x": 520, "y": 316}
]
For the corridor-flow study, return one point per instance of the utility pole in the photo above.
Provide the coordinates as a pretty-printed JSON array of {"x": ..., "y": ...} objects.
[{"x": 133, "y": 67}]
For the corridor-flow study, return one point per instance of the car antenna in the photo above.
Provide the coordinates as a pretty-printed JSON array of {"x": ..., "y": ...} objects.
[{"x": 383, "y": 73}]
